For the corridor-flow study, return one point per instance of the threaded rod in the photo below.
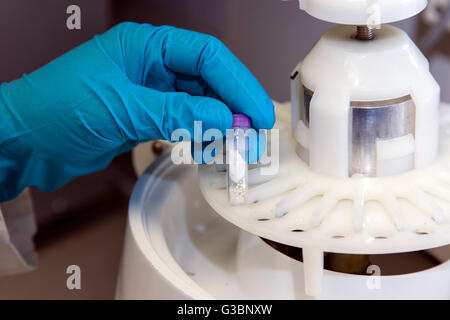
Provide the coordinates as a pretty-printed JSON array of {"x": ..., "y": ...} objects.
[{"x": 364, "y": 33}]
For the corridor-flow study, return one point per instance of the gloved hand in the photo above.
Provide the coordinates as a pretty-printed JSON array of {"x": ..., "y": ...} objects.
[{"x": 134, "y": 83}]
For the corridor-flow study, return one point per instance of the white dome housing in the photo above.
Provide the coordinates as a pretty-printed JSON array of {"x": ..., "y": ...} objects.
[
  {"x": 362, "y": 12},
  {"x": 365, "y": 107}
]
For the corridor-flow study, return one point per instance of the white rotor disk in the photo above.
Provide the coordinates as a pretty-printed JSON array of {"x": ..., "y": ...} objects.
[{"x": 298, "y": 207}]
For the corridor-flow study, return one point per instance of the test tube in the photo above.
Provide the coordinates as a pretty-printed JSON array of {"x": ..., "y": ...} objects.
[{"x": 237, "y": 159}]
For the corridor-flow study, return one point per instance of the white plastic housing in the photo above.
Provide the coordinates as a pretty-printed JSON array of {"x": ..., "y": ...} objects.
[
  {"x": 362, "y": 12},
  {"x": 340, "y": 69},
  {"x": 319, "y": 213},
  {"x": 183, "y": 250}
]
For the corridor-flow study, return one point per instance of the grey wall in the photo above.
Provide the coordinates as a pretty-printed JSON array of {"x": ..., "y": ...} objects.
[{"x": 34, "y": 32}]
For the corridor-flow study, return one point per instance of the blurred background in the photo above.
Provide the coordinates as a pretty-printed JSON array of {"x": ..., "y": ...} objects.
[{"x": 83, "y": 222}]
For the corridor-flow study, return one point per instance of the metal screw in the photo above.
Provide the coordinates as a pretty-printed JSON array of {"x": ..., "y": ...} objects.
[
  {"x": 364, "y": 33},
  {"x": 157, "y": 148}
]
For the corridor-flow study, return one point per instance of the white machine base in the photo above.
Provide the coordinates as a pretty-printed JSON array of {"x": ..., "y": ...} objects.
[{"x": 177, "y": 247}]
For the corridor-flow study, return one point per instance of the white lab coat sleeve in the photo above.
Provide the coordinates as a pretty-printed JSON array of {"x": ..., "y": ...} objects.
[{"x": 17, "y": 228}]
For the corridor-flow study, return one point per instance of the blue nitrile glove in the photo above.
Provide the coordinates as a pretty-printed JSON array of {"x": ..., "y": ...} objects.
[{"x": 134, "y": 83}]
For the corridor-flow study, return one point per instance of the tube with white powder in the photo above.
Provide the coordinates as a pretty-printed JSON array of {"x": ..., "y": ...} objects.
[{"x": 237, "y": 159}]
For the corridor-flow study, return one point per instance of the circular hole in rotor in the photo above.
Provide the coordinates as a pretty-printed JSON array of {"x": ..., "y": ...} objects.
[
  {"x": 263, "y": 219},
  {"x": 298, "y": 230}
]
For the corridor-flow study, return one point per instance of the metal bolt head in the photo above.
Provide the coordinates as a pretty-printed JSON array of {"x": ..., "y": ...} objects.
[{"x": 157, "y": 148}]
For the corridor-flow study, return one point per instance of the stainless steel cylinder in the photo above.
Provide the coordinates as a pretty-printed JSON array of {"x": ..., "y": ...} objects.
[
  {"x": 371, "y": 123},
  {"x": 374, "y": 122}
]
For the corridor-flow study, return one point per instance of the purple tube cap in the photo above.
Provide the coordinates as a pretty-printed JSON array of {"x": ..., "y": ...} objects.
[{"x": 241, "y": 121}]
